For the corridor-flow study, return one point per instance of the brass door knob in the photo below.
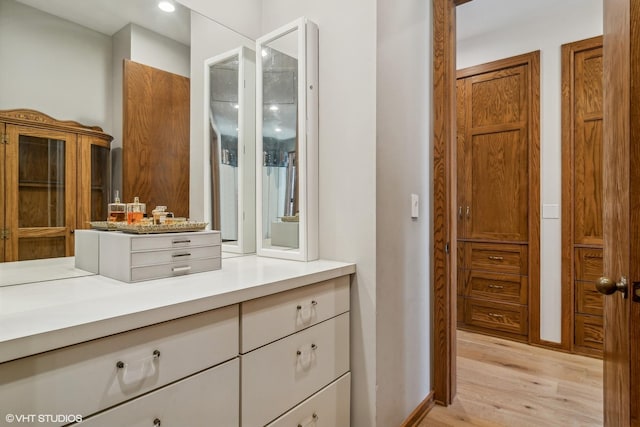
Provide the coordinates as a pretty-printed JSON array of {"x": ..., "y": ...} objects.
[{"x": 606, "y": 286}]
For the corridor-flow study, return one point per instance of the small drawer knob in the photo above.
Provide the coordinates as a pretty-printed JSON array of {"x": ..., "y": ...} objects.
[{"x": 157, "y": 422}]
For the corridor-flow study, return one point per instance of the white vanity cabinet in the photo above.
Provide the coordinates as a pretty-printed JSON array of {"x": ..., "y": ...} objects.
[
  {"x": 86, "y": 378},
  {"x": 294, "y": 344}
]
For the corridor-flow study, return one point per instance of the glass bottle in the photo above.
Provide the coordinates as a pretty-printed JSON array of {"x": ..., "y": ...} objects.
[
  {"x": 116, "y": 211},
  {"x": 159, "y": 214},
  {"x": 135, "y": 211}
]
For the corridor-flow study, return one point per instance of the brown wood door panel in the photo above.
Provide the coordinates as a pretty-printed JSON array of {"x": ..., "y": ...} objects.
[
  {"x": 498, "y": 98},
  {"x": 3, "y": 164},
  {"x": 155, "y": 159},
  {"x": 463, "y": 203},
  {"x": 498, "y": 174},
  {"x": 588, "y": 146},
  {"x": 589, "y": 332}
]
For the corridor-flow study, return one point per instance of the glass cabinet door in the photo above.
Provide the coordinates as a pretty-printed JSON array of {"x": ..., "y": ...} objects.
[
  {"x": 93, "y": 180},
  {"x": 40, "y": 186}
]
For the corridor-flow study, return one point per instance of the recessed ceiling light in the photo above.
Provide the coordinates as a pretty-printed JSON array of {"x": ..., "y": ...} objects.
[
  {"x": 166, "y": 6},
  {"x": 278, "y": 130},
  {"x": 264, "y": 52},
  {"x": 236, "y": 106},
  {"x": 273, "y": 108}
]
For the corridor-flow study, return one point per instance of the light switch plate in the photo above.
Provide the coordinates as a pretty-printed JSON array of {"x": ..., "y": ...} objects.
[
  {"x": 415, "y": 206},
  {"x": 551, "y": 211}
]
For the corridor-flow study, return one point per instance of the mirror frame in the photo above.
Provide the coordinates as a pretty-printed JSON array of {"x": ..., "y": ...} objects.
[
  {"x": 246, "y": 211},
  {"x": 307, "y": 156}
]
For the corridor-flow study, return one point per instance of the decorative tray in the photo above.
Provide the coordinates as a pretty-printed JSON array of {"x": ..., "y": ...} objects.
[
  {"x": 104, "y": 225},
  {"x": 151, "y": 228}
]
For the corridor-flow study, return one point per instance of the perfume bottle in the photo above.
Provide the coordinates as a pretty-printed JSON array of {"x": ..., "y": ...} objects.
[
  {"x": 159, "y": 215},
  {"x": 116, "y": 211},
  {"x": 135, "y": 211}
]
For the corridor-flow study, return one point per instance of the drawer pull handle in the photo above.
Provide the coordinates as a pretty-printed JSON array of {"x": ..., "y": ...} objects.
[
  {"x": 496, "y": 316},
  {"x": 180, "y": 269},
  {"x": 184, "y": 241},
  {"x": 314, "y": 418},
  {"x": 496, "y": 258},
  {"x": 496, "y": 286},
  {"x": 121, "y": 365},
  {"x": 313, "y": 304},
  {"x": 157, "y": 422},
  {"x": 180, "y": 255}
]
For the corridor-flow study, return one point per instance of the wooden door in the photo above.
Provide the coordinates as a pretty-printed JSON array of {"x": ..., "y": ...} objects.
[
  {"x": 155, "y": 155},
  {"x": 582, "y": 99},
  {"x": 40, "y": 193},
  {"x": 621, "y": 201},
  {"x": 496, "y": 148}
]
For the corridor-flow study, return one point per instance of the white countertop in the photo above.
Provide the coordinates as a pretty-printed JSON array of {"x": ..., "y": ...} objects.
[{"x": 37, "y": 317}]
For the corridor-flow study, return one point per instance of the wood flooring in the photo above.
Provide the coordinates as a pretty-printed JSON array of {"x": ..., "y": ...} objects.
[{"x": 504, "y": 383}]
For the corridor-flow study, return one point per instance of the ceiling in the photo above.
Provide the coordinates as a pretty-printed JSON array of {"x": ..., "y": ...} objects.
[
  {"x": 109, "y": 16},
  {"x": 483, "y": 16}
]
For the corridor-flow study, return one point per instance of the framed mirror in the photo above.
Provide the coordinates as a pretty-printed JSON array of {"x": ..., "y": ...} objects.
[
  {"x": 287, "y": 142},
  {"x": 230, "y": 134}
]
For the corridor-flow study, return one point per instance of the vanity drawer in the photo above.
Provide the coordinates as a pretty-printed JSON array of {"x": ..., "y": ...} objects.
[
  {"x": 499, "y": 287},
  {"x": 267, "y": 319},
  {"x": 280, "y": 375},
  {"x": 174, "y": 240},
  {"x": 88, "y": 377},
  {"x": 209, "y": 398},
  {"x": 588, "y": 264},
  {"x": 501, "y": 258},
  {"x": 174, "y": 269},
  {"x": 139, "y": 259},
  {"x": 588, "y": 299},
  {"x": 496, "y": 316},
  {"x": 327, "y": 408}
]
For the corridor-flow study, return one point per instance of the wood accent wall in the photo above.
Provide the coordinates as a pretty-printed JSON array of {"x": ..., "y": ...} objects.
[{"x": 155, "y": 155}]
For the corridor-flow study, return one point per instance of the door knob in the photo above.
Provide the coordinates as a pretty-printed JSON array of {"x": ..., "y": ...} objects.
[{"x": 606, "y": 286}]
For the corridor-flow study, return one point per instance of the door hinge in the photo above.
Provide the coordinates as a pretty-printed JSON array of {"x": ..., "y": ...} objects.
[
  {"x": 4, "y": 139},
  {"x": 4, "y": 234},
  {"x": 446, "y": 248}
]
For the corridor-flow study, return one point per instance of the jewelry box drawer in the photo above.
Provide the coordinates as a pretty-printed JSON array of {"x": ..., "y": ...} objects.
[
  {"x": 496, "y": 257},
  {"x": 496, "y": 316},
  {"x": 208, "y": 398},
  {"x": 89, "y": 377},
  {"x": 139, "y": 259},
  {"x": 267, "y": 319},
  {"x": 174, "y": 240},
  {"x": 174, "y": 269},
  {"x": 280, "y": 375},
  {"x": 327, "y": 408}
]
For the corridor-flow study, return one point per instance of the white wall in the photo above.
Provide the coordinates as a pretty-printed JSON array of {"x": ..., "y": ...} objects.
[
  {"x": 566, "y": 21},
  {"x": 403, "y": 325},
  {"x": 242, "y": 16},
  {"x": 54, "y": 66},
  {"x": 347, "y": 144},
  {"x": 158, "y": 51}
]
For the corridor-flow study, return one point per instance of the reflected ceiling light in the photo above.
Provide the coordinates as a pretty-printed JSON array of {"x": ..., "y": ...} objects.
[
  {"x": 274, "y": 108},
  {"x": 264, "y": 52},
  {"x": 278, "y": 130},
  {"x": 166, "y": 6},
  {"x": 236, "y": 106}
]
